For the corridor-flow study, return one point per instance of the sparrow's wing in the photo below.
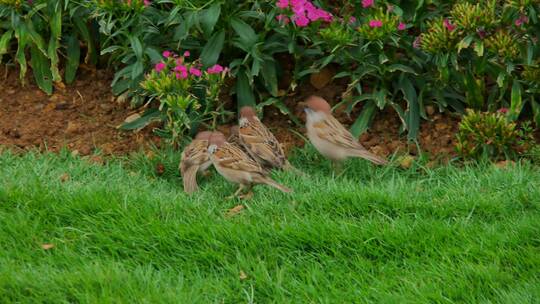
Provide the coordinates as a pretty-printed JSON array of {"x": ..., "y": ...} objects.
[
  {"x": 331, "y": 130},
  {"x": 261, "y": 142},
  {"x": 232, "y": 157}
]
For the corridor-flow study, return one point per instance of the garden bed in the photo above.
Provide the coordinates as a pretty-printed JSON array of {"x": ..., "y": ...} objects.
[{"x": 83, "y": 117}]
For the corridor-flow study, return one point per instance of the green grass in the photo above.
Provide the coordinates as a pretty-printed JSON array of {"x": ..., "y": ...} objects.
[{"x": 380, "y": 235}]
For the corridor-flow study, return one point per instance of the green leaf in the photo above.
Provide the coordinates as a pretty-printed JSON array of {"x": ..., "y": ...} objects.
[
  {"x": 246, "y": 34},
  {"x": 244, "y": 90},
  {"x": 136, "y": 46},
  {"x": 137, "y": 70},
  {"x": 413, "y": 111},
  {"x": 516, "y": 102},
  {"x": 536, "y": 112},
  {"x": 209, "y": 17},
  {"x": 82, "y": 28},
  {"x": 270, "y": 77},
  {"x": 212, "y": 49},
  {"x": 4, "y": 42},
  {"x": 22, "y": 38},
  {"x": 73, "y": 58},
  {"x": 146, "y": 118},
  {"x": 465, "y": 43},
  {"x": 361, "y": 124},
  {"x": 479, "y": 48},
  {"x": 401, "y": 67},
  {"x": 41, "y": 69}
]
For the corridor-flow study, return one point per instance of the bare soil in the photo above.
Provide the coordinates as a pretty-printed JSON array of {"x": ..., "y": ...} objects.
[{"x": 84, "y": 116}]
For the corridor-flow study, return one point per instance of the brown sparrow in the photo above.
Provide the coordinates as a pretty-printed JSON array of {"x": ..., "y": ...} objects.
[
  {"x": 195, "y": 159},
  {"x": 236, "y": 166},
  {"x": 330, "y": 137},
  {"x": 234, "y": 136},
  {"x": 259, "y": 142}
]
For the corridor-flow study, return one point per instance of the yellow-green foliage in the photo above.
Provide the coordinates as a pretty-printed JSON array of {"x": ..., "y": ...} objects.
[{"x": 491, "y": 135}]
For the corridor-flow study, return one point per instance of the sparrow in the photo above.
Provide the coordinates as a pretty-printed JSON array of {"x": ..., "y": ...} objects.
[
  {"x": 234, "y": 136},
  {"x": 330, "y": 137},
  {"x": 260, "y": 143},
  {"x": 195, "y": 159},
  {"x": 236, "y": 166}
]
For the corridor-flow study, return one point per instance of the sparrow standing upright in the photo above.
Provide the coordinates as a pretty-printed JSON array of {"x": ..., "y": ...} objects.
[
  {"x": 236, "y": 166},
  {"x": 195, "y": 158},
  {"x": 259, "y": 142},
  {"x": 330, "y": 137}
]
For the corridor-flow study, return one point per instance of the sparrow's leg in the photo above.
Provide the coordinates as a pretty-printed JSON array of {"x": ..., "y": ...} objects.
[
  {"x": 247, "y": 194},
  {"x": 338, "y": 167},
  {"x": 235, "y": 195}
]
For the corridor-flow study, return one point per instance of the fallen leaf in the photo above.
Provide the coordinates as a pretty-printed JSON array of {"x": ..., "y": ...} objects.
[
  {"x": 64, "y": 177},
  {"x": 96, "y": 159},
  {"x": 160, "y": 169},
  {"x": 47, "y": 246},
  {"x": 234, "y": 211},
  {"x": 406, "y": 161},
  {"x": 322, "y": 78},
  {"x": 505, "y": 163},
  {"x": 243, "y": 275}
]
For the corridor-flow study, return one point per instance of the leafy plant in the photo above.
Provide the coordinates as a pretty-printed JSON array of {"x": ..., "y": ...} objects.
[
  {"x": 492, "y": 136},
  {"x": 187, "y": 94},
  {"x": 48, "y": 30}
]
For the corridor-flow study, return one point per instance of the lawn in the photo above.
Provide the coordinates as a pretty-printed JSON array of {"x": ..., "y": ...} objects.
[{"x": 382, "y": 235}]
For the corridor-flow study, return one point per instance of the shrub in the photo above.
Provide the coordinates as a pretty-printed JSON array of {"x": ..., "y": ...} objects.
[
  {"x": 188, "y": 95},
  {"x": 492, "y": 136}
]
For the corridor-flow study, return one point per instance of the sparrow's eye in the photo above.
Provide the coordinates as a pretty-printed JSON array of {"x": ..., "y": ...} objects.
[{"x": 212, "y": 149}]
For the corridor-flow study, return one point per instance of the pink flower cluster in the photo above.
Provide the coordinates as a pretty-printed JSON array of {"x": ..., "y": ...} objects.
[
  {"x": 449, "y": 26},
  {"x": 367, "y": 3},
  {"x": 145, "y": 2},
  {"x": 182, "y": 71},
  {"x": 521, "y": 20},
  {"x": 304, "y": 12}
]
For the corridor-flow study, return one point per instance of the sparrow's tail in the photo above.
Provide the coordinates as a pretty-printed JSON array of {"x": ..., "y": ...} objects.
[
  {"x": 189, "y": 177},
  {"x": 370, "y": 156},
  {"x": 271, "y": 182}
]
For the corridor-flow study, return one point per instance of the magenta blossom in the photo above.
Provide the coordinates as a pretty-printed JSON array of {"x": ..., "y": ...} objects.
[
  {"x": 375, "y": 23},
  {"x": 282, "y": 4},
  {"x": 449, "y": 26},
  {"x": 159, "y": 67},
  {"x": 283, "y": 18},
  {"x": 216, "y": 69},
  {"x": 195, "y": 72},
  {"x": 147, "y": 2},
  {"x": 187, "y": 54},
  {"x": 352, "y": 20},
  {"x": 367, "y": 3},
  {"x": 181, "y": 71},
  {"x": 417, "y": 43},
  {"x": 166, "y": 54},
  {"x": 503, "y": 110},
  {"x": 401, "y": 26},
  {"x": 521, "y": 20},
  {"x": 301, "y": 20}
]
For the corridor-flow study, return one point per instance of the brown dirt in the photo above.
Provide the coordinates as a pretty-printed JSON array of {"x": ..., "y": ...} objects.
[{"x": 82, "y": 117}]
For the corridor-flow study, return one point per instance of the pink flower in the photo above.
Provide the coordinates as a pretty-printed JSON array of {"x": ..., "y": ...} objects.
[
  {"x": 181, "y": 71},
  {"x": 282, "y": 4},
  {"x": 375, "y": 23},
  {"x": 195, "y": 72},
  {"x": 159, "y": 67},
  {"x": 301, "y": 21},
  {"x": 283, "y": 18},
  {"x": 503, "y": 110},
  {"x": 352, "y": 20},
  {"x": 449, "y": 26},
  {"x": 521, "y": 20},
  {"x": 166, "y": 54},
  {"x": 216, "y": 69},
  {"x": 187, "y": 54},
  {"x": 147, "y": 2},
  {"x": 367, "y": 3},
  {"x": 401, "y": 26}
]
